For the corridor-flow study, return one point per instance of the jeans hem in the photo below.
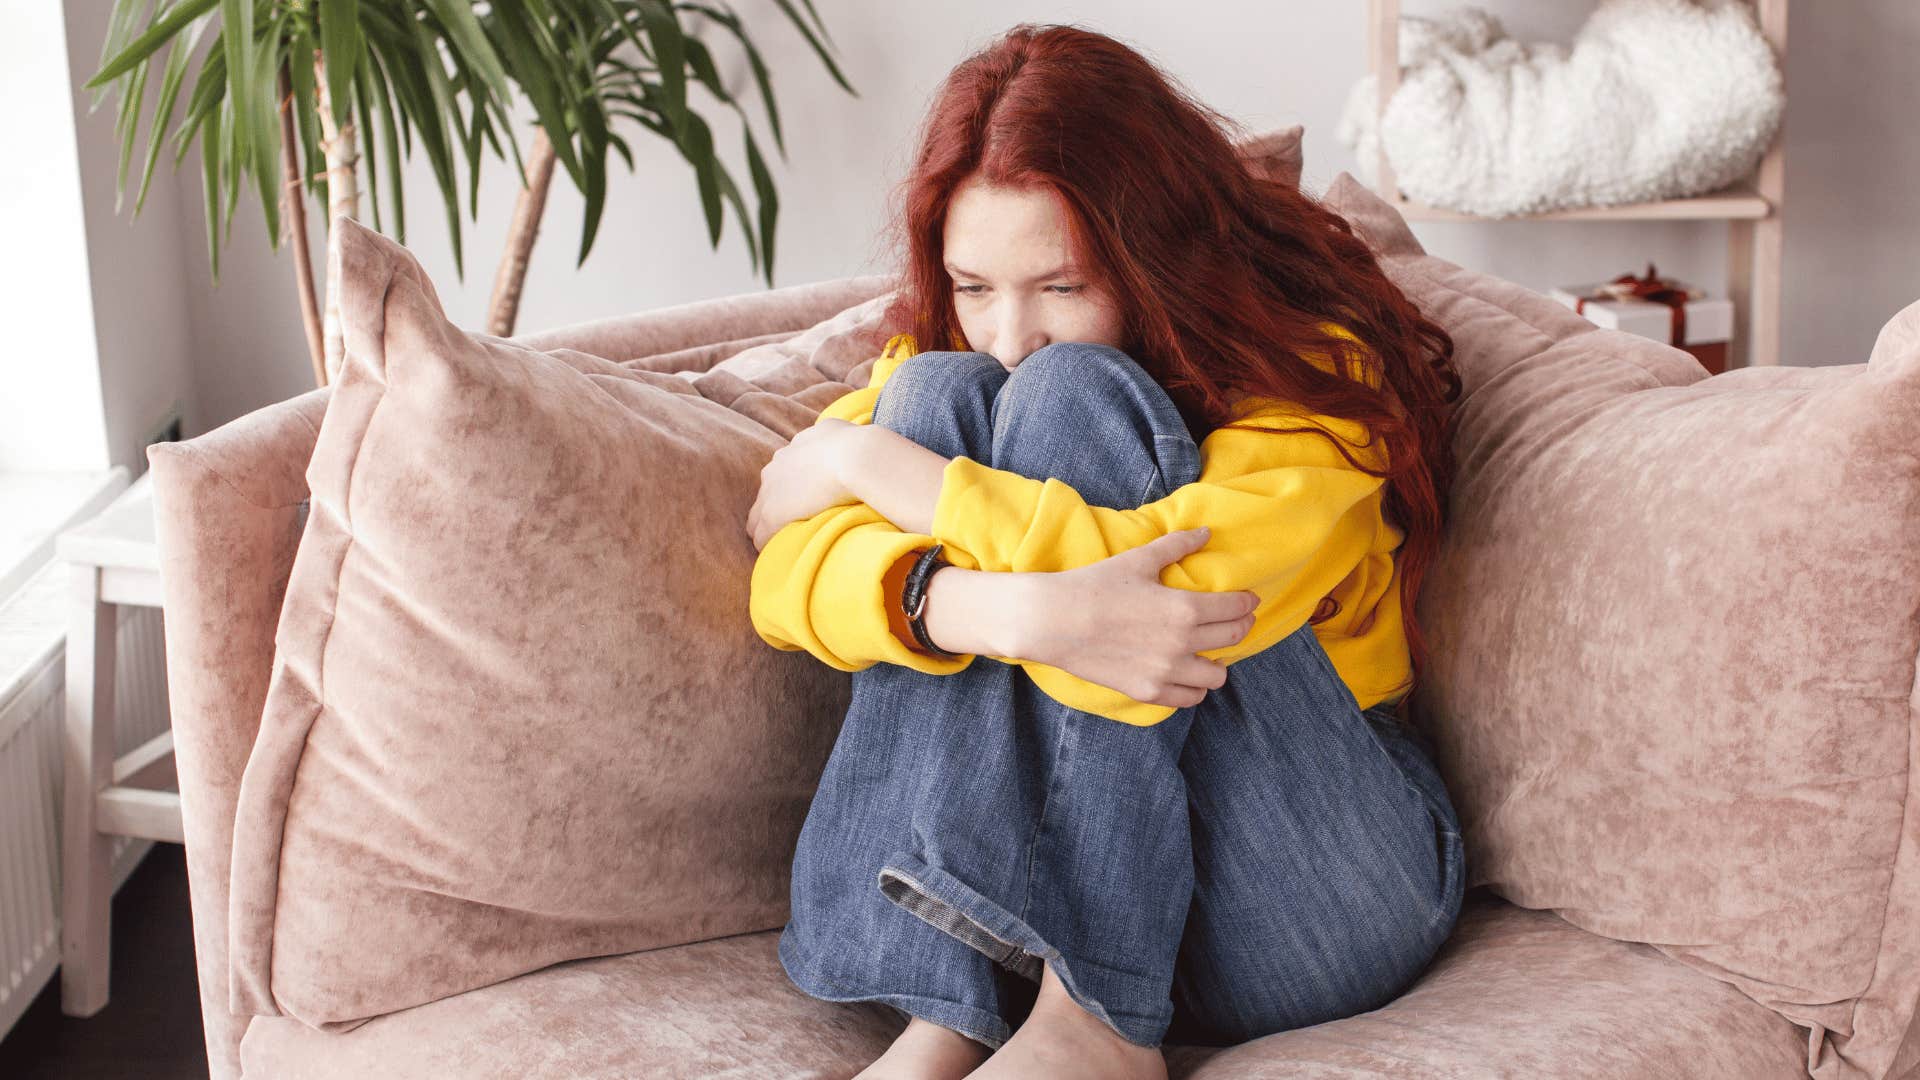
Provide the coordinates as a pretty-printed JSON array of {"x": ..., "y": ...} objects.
[
  {"x": 980, "y": 1025},
  {"x": 953, "y": 907}
]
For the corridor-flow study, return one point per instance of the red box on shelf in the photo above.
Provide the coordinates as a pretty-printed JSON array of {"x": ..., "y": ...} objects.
[{"x": 1662, "y": 309}]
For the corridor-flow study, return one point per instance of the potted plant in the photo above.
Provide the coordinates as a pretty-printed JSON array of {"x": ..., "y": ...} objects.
[{"x": 296, "y": 94}]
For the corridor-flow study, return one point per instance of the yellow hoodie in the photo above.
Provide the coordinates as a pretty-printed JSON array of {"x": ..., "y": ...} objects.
[{"x": 1290, "y": 520}]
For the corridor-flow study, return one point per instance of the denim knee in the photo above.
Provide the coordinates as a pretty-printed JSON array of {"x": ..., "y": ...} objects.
[
  {"x": 1091, "y": 416},
  {"x": 944, "y": 401},
  {"x": 1078, "y": 361}
]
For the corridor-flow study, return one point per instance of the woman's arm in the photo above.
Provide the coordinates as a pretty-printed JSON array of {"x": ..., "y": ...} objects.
[
  {"x": 1291, "y": 520},
  {"x": 894, "y": 475},
  {"x": 830, "y": 582},
  {"x": 1289, "y": 516}
]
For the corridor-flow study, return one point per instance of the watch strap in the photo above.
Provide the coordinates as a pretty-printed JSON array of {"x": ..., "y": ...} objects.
[{"x": 913, "y": 598}]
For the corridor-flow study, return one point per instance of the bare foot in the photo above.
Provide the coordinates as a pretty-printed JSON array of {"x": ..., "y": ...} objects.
[
  {"x": 926, "y": 1051},
  {"x": 1061, "y": 1039}
]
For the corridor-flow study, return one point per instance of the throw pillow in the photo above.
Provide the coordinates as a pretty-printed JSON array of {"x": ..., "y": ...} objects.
[
  {"x": 1674, "y": 640},
  {"x": 517, "y": 714},
  {"x": 1274, "y": 154}
]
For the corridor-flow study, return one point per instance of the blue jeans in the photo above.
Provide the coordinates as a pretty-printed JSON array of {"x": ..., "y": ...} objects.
[{"x": 1270, "y": 858}]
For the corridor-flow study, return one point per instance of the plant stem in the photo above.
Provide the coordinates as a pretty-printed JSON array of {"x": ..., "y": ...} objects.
[
  {"x": 343, "y": 199},
  {"x": 296, "y": 201},
  {"x": 503, "y": 309}
]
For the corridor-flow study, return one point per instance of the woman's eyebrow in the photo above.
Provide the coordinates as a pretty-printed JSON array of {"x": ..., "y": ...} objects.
[{"x": 1063, "y": 270}]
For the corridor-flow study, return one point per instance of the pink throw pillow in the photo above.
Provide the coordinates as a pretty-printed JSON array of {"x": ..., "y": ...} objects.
[
  {"x": 517, "y": 714},
  {"x": 1674, "y": 632},
  {"x": 1275, "y": 154}
]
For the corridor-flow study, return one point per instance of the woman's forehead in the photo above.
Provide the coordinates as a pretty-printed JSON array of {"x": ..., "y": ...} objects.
[{"x": 1005, "y": 232}]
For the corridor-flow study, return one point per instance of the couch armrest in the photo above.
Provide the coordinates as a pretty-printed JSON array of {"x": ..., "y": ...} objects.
[{"x": 229, "y": 507}]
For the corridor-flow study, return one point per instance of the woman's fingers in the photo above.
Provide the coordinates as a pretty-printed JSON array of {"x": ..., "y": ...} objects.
[
  {"x": 1224, "y": 619},
  {"x": 1200, "y": 673},
  {"x": 1217, "y": 635},
  {"x": 1181, "y": 697},
  {"x": 1172, "y": 547},
  {"x": 1224, "y": 606}
]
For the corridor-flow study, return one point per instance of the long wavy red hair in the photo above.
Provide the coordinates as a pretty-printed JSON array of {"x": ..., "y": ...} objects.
[{"x": 1225, "y": 275}]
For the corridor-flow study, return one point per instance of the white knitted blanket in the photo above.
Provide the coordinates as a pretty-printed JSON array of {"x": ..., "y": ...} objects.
[{"x": 1656, "y": 99}]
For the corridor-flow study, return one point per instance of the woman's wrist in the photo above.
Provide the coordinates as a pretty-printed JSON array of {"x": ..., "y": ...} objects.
[{"x": 978, "y": 611}]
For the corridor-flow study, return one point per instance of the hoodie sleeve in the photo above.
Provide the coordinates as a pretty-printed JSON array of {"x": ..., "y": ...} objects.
[{"x": 820, "y": 583}]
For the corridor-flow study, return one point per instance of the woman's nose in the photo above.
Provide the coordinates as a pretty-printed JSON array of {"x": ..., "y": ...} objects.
[{"x": 1012, "y": 346}]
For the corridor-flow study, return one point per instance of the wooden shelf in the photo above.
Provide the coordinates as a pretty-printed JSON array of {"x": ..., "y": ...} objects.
[
  {"x": 1735, "y": 203},
  {"x": 1752, "y": 208}
]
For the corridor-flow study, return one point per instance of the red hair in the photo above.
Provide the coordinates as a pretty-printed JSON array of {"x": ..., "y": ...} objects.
[{"x": 1224, "y": 276}]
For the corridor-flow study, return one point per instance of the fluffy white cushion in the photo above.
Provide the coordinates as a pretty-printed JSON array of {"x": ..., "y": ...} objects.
[{"x": 1657, "y": 99}]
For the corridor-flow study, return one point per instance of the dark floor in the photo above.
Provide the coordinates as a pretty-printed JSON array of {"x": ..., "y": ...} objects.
[{"x": 150, "y": 1027}]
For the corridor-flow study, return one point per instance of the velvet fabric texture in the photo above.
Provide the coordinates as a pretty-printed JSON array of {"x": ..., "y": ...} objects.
[
  {"x": 1513, "y": 993},
  {"x": 515, "y": 715},
  {"x": 1674, "y": 634}
]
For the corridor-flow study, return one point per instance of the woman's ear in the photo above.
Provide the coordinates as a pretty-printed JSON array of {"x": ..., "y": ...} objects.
[{"x": 1274, "y": 155}]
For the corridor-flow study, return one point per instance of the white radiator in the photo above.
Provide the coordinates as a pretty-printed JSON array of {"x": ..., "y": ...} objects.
[{"x": 32, "y": 719}]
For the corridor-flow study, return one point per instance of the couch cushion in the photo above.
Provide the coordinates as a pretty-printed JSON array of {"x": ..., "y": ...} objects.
[
  {"x": 1512, "y": 993},
  {"x": 641, "y": 338},
  {"x": 1674, "y": 636},
  {"x": 496, "y": 734},
  {"x": 1274, "y": 154}
]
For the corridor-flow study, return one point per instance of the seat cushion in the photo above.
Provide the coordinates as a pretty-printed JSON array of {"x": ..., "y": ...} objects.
[
  {"x": 1513, "y": 993},
  {"x": 1522, "y": 993}
]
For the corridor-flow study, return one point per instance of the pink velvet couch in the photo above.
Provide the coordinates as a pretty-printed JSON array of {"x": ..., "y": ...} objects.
[{"x": 1514, "y": 992}]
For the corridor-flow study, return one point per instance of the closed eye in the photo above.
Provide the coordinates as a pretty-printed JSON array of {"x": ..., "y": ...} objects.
[{"x": 968, "y": 290}]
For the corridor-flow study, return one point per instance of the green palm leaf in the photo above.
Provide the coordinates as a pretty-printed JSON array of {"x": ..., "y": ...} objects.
[{"x": 448, "y": 70}]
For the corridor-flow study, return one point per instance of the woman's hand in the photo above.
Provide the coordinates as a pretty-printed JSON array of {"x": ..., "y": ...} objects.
[
  {"x": 802, "y": 479},
  {"x": 1114, "y": 624}
]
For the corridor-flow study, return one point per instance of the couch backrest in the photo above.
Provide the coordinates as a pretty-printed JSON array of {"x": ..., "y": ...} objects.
[{"x": 229, "y": 509}]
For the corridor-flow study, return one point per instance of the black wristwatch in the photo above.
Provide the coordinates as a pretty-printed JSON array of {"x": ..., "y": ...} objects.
[{"x": 913, "y": 598}]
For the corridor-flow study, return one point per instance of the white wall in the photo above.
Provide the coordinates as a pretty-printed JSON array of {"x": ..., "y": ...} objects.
[
  {"x": 50, "y": 411},
  {"x": 1852, "y": 241},
  {"x": 147, "y": 351},
  {"x": 99, "y": 349}
]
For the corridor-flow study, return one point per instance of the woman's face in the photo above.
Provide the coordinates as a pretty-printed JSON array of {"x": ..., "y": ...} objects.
[{"x": 1017, "y": 284}]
